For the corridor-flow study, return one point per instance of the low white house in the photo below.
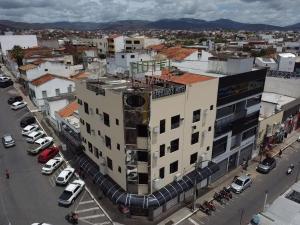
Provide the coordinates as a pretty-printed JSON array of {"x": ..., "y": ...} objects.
[
  {"x": 7, "y": 42},
  {"x": 51, "y": 87}
]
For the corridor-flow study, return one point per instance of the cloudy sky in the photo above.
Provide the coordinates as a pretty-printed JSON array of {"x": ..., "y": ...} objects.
[{"x": 277, "y": 12}]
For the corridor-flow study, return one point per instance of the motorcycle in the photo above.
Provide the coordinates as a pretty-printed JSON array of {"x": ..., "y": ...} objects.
[
  {"x": 72, "y": 218},
  {"x": 224, "y": 195},
  {"x": 210, "y": 205},
  {"x": 204, "y": 209},
  {"x": 219, "y": 198},
  {"x": 290, "y": 169},
  {"x": 227, "y": 190}
]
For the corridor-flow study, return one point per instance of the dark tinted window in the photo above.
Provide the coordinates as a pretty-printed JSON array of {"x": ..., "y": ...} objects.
[
  {"x": 86, "y": 108},
  {"x": 196, "y": 115},
  {"x": 88, "y": 128},
  {"x": 219, "y": 147},
  {"x": 195, "y": 138},
  {"x": 193, "y": 158},
  {"x": 162, "y": 149},
  {"x": 107, "y": 142},
  {"x": 143, "y": 178},
  {"x": 142, "y": 130},
  {"x": 142, "y": 156},
  {"x": 175, "y": 121},
  {"x": 109, "y": 163},
  {"x": 106, "y": 119},
  {"x": 162, "y": 172},
  {"x": 174, "y": 167},
  {"x": 174, "y": 145},
  {"x": 162, "y": 126}
]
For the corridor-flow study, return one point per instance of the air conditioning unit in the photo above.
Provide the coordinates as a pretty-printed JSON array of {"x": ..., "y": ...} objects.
[
  {"x": 91, "y": 111},
  {"x": 101, "y": 116},
  {"x": 102, "y": 161},
  {"x": 156, "y": 130},
  {"x": 194, "y": 127},
  {"x": 93, "y": 132},
  {"x": 168, "y": 148},
  {"x": 177, "y": 177},
  {"x": 157, "y": 183}
]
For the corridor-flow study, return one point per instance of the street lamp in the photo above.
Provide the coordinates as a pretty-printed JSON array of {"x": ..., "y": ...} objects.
[{"x": 197, "y": 164}]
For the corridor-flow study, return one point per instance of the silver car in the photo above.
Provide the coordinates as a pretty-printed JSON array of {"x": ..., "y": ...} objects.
[
  {"x": 241, "y": 183},
  {"x": 8, "y": 141}
]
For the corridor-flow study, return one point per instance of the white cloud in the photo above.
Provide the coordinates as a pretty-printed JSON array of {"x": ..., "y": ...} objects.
[{"x": 275, "y": 12}]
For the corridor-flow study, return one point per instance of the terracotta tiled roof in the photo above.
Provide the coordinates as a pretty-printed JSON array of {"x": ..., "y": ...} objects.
[
  {"x": 177, "y": 53},
  {"x": 45, "y": 78},
  {"x": 80, "y": 76},
  {"x": 27, "y": 67},
  {"x": 68, "y": 110},
  {"x": 156, "y": 47},
  {"x": 185, "y": 78}
]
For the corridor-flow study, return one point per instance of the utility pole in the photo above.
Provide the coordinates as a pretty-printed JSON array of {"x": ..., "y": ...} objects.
[
  {"x": 298, "y": 173},
  {"x": 265, "y": 202},
  {"x": 242, "y": 215}
]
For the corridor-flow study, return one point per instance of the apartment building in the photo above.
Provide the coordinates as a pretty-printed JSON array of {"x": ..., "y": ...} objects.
[
  {"x": 140, "y": 42},
  {"x": 115, "y": 43},
  {"x": 238, "y": 105},
  {"x": 152, "y": 137}
]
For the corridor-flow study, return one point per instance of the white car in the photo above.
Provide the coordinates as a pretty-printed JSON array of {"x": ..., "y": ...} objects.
[
  {"x": 35, "y": 135},
  {"x": 30, "y": 128},
  {"x": 64, "y": 176},
  {"x": 52, "y": 165},
  {"x": 40, "y": 144},
  {"x": 18, "y": 105},
  {"x": 71, "y": 192},
  {"x": 4, "y": 78}
]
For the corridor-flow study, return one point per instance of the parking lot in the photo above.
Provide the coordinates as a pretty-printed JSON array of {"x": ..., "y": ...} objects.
[{"x": 28, "y": 196}]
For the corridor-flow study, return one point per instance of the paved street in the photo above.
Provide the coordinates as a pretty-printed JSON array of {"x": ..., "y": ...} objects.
[
  {"x": 28, "y": 196},
  {"x": 251, "y": 201}
]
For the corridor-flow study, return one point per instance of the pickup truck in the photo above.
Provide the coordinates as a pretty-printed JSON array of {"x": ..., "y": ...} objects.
[{"x": 40, "y": 144}]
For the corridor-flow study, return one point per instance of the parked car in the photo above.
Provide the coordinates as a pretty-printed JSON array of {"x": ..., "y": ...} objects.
[
  {"x": 29, "y": 128},
  {"x": 8, "y": 141},
  {"x": 40, "y": 144},
  {"x": 298, "y": 139},
  {"x": 48, "y": 154},
  {"x": 14, "y": 99},
  {"x": 64, "y": 176},
  {"x": 6, "y": 84},
  {"x": 41, "y": 224},
  {"x": 18, "y": 105},
  {"x": 4, "y": 78},
  {"x": 241, "y": 183},
  {"x": 266, "y": 165},
  {"x": 52, "y": 165},
  {"x": 27, "y": 120},
  {"x": 71, "y": 192},
  {"x": 34, "y": 135}
]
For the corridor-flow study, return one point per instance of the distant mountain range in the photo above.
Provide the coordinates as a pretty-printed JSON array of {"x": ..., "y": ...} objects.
[{"x": 167, "y": 24}]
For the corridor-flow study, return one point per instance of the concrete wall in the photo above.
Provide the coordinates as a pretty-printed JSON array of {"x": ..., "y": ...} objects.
[
  {"x": 7, "y": 42},
  {"x": 289, "y": 87}
]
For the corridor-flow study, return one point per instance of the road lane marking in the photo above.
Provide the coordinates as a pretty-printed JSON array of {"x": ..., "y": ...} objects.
[
  {"x": 91, "y": 216},
  {"x": 86, "y": 202},
  {"x": 87, "y": 210},
  {"x": 193, "y": 221}
]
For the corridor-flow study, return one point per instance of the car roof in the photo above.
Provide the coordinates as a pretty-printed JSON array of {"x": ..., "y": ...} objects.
[
  {"x": 40, "y": 140},
  {"x": 72, "y": 186},
  {"x": 33, "y": 133},
  {"x": 243, "y": 177},
  {"x": 64, "y": 173},
  {"x": 51, "y": 161},
  {"x": 16, "y": 103},
  {"x": 28, "y": 127}
]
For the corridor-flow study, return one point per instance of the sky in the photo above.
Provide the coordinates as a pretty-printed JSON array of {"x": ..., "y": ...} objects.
[{"x": 275, "y": 12}]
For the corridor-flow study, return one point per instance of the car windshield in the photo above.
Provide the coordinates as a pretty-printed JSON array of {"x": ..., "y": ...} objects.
[
  {"x": 8, "y": 138},
  {"x": 60, "y": 178},
  {"x": 47, "y": 166},
  {"x": 238, "y": 182},
  {"x": 266, "y": 162},
  {"x": 66, "y": 195}
]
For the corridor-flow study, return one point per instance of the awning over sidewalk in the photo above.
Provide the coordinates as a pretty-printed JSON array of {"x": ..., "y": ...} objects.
[{"x": 116, "y": 194}]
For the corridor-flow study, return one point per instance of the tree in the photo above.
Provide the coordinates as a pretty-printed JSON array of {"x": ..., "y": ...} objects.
[{"x": 18, "y": 54}]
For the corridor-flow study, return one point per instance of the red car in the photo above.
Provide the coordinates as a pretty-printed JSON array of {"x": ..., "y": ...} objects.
[{"x": 48, "y": 154}]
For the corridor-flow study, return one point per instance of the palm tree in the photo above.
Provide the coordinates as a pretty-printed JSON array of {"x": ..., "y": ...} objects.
[{"x": 18, "y": 54}]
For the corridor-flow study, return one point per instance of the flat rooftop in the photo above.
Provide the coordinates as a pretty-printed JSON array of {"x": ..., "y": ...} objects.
[{"x": 277, "y": 99}]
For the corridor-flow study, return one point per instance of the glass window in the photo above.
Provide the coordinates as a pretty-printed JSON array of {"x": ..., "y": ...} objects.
[
  {"x": 162, "y": 172},
  {"x": 143, "y": 178},
  {"x": 57, "y": 92},
  {"x": 174, "y": 167},
  {"x": 117, "y": 122},
  {"x": 142, "y": 156},
  {"x": 86, "y": 108},
  {"x": 44, "y": 94},
  {"x": 96, "y": 152},
  {"x": 106, "y": 119},
  {"x": 118, "y": 146},
  {"x": 88, "y": 128},
  {"x": 162, "y": 150},
  {"x": 174, "y": 145},
  {"x": 107, "y": 142},
  {"x": 119, "y": 169},
  {"x": 195, "y": 138},
  {"x": 219, "y": 147},
  {"x": 196, "y": 115},
  {"x": 193, "y": 158},
  {"x": 175, "y": 121},
  {"x": 162, "y": 126},
  {"x": 109, "y": 163},
  {"x": 142, "y": 130},
  {"x": 90, "y": 146},
  {"x": 249, "y": 133}
]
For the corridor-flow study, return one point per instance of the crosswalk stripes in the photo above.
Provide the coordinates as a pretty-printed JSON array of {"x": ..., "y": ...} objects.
[{"x": 193, "y": 221}]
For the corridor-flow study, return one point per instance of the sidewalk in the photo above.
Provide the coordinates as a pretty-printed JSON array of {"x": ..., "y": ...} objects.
[{"x": 225, "y": 181}]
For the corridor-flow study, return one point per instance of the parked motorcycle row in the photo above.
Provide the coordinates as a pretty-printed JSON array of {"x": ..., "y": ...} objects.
[{"x": 223, "y": 196}]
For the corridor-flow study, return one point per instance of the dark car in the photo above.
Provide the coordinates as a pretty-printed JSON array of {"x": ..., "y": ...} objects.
[
  {"x": 266, "y": 165},
  {"x": 14, "y": 99},
  {"x": 27, "y": 121},
  {"x": 48, "y": 154},
  {"x": 6, "y": 83}
]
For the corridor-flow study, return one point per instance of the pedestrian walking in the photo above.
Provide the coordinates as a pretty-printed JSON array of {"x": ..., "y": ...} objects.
[
  {"x": 280, "y": 153},
  {"x": 7, "y": 174}
]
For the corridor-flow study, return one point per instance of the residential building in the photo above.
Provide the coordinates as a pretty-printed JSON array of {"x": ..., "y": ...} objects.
[
  {"x": 266, "y": 63},
  {"x": 140, "y": 42},
  {"x": 7, "y": 42},
  {"x": 148, "y": 136},
  {"x": 115, "y": 43},
  {"x": 51, "y": 88}
]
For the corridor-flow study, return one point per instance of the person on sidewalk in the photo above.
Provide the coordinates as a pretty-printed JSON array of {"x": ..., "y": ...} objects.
[
  {"x": 7, "y": 174},
  {"x": 280, "y": 153}
]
